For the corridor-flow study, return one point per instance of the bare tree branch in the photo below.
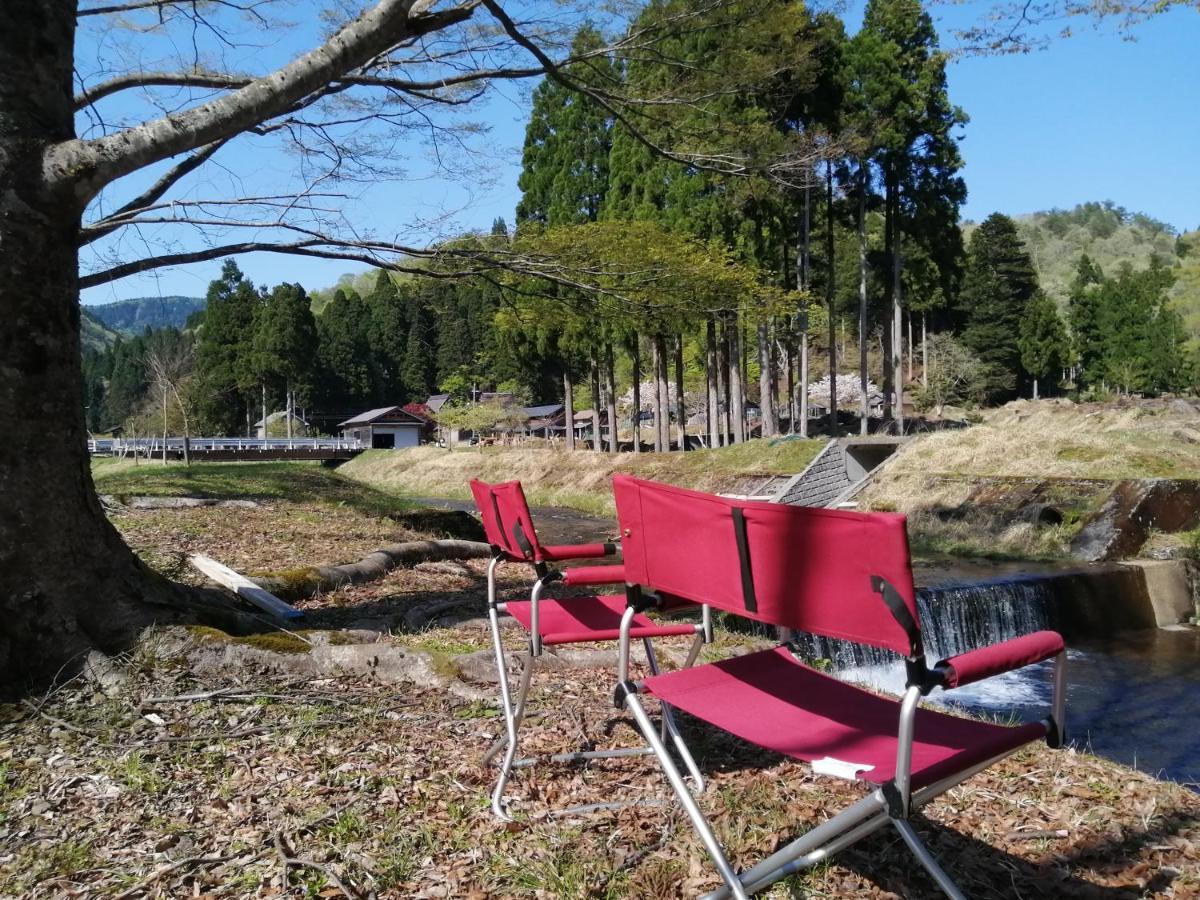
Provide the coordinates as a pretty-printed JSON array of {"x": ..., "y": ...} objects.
[{"x": 87, "y": 166}]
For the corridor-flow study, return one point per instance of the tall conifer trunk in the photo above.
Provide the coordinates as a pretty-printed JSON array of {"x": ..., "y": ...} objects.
[
  {"x": 864, "y": 425},
  {"x": 635, "y": 356},
  {"x": 568, "y": 407},
  {"x": 663, "y": 391},
  {"x": 803, "y": 282},
  {"x": 889, "y": 223},
  {"x": 713, "y": 383},
  {"x": 737, "y": 411},
  {"x": 831, "y": 270},
  {"x": 610, "y": 390},
  {"x": 594, "y": 373},
  {"x": 680, "y": 400},
  {"x": 897, "y": 361},
  {"x": 724, "y": 402},
  {"x": 766, "y": 390}
]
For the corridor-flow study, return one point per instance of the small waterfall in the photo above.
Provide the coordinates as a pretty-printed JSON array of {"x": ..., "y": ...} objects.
[{"x": 954, "y": 618}]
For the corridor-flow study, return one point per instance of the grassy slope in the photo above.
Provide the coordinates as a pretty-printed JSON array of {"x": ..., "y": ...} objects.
[
  {"x": 579, "y": 480},
  {"x": 1138, "y": 439},
  {"x": 1025, "y": 440}
]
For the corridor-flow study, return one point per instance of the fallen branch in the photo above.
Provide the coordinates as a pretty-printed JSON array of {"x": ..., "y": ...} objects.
[
  {"x": 159, "y": 874},
  {"x": 286, "y": 861},
  {"x": 307, "y": 581}
]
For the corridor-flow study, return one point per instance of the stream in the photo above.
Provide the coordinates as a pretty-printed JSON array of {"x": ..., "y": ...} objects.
[{"x": 1133, "y": 697}]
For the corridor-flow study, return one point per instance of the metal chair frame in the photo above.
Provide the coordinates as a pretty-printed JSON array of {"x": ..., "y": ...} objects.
[
  {"x": 513, "y": 708},
  {"x": 890, "y": 802}
]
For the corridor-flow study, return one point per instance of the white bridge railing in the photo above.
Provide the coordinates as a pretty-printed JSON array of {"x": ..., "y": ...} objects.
[{"x": 152, "y": 446}]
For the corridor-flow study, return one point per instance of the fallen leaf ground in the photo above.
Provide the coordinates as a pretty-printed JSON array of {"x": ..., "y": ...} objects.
[{"x": 249, "y": 782}]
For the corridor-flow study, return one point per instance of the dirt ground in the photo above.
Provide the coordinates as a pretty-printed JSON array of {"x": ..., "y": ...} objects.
[{"x": 215, "y": 767}]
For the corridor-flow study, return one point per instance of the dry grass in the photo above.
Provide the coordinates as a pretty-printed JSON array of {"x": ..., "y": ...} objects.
[
  {"x": 379, "y": 787},
  {"x": 581, "y": 479},
  {"x": 1059, "y": 439}
]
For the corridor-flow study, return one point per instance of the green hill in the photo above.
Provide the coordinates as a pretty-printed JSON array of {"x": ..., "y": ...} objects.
[
  {"x": 94, "y": 333},
  {"x": 135, "y": 315},
  {"x": 1111, "y": 235}
]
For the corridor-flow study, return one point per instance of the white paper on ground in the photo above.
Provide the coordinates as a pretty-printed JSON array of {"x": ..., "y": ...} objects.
[{"x": 839, "y": 768}]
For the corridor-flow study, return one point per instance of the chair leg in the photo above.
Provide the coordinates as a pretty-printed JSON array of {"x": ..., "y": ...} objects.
[
  {"x": 685, "y": 797},
  {"x": 512, "y": 721},
  {"x": 815, "y": 845},
  {"x": 669, "y": 726},
  {"x": 921, "y": 852}
]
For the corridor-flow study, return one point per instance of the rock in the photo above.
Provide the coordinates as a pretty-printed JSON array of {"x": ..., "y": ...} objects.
[{"x": 105, "y": 674}]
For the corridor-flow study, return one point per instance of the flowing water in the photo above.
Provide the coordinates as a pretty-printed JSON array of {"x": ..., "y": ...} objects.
[{"x": 1133, "y": 696}]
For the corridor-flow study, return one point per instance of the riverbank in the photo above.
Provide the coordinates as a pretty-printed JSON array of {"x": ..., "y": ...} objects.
[{"x": 580, "y": 479}]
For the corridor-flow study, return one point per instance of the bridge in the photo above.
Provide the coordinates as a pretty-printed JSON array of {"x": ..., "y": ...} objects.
[{"x": 229, "y": 449}]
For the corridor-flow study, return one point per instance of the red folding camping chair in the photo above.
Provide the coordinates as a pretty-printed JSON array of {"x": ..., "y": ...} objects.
[
  {"x": 839, "y": 574},
  {"x": 508, "y": 526}
]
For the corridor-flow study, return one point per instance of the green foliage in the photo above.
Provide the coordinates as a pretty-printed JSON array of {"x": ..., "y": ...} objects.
[
  {"x": 564, "y": 174},
  {"x": 1127, "y": 333},
  {"x": 955, "y": 376},
  {"x": 1043, "y": 339},
  {"x": 344, "y": 352},
  {"x": 224, "y": 350},
  {"x": 999, "y": 283},
  {"x": 285, "y": 340}
]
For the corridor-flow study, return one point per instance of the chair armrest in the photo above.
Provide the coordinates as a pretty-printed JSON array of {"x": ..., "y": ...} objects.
[
  {"x": 975, "y": 665},
  {"x": 594, "y": 575},
  {"x": 563, "y": 552}
]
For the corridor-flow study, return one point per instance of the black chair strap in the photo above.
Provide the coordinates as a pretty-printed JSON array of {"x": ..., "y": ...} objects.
[
  {"x": 496, "y": 514},
  {"x": 900, "y": 612},
  {"x": 523, "y": 541},
  {"x": 749, "y": 598}
]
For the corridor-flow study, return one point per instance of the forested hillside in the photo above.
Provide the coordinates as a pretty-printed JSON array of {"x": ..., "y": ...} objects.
[
  {"x": 135, "y": 315},
  {"x": 1111, "y": 236},
  {"x": 94, "y": 334}
]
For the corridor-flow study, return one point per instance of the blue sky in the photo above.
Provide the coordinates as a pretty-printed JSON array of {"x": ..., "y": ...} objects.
[{"x": 1093, "y": 117}]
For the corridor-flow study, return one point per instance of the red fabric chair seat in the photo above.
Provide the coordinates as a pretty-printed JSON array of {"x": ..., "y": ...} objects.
[
  {"x": 587, "y": 619},
  {"x": 773, "y": 701}
]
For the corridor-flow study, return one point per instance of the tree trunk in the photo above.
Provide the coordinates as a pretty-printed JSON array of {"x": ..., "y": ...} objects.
[
  {"x": 610, "y": 385},
  {"x": 710, "y": 365},
  {"x": 1035, "y": 389},
  {"x": 656, "y": 397},
  {"x": 166, "y": 401},
  {"x": 70, "y": 583},
  {"x": 897, "y": 361},
  {"x": 290, "y": 407},
  {"x": 680, "y": 401},
  {"x": 766, "y": 390},
  {"x": 594, "y": 372},
  {"x": 924, "y": 353},
  {"x": 908, "y": 328},
  {"x": 568, "y": 408},
  {"x": 885, "y": 367},
  {"x": 724, "y": 403},
  {"x": 635, "y": 353},
  {"x": 829, "y": 299},
  {"x": 864, "y": 414},
  {"x": 737, "y": 417},
  {"x": 790, "y": 386},
  {"x": 662, "y": 392}
]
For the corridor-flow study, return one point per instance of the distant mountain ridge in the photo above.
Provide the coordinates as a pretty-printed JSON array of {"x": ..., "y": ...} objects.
[{"x": 136, "y": 314}]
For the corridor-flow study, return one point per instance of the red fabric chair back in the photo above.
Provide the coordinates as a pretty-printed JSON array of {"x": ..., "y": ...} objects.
[
  {"x": 799, "y": 567},
  {"x": 506, "y": 519}
]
